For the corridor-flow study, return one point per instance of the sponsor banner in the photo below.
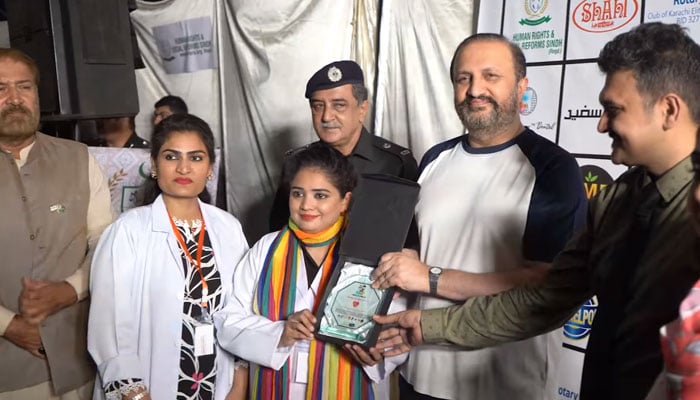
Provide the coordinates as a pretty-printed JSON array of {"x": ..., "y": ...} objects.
[
  {"x": 682, "y": 12},
  {"x": 594, "y": 23},
  {"x": 127, "y": 169},
  {"x": 581, "y": 111},
  {"x": 605, "y": 170},
  {"x": 595, "y": 179},
  {"x": 186, "y": 46},
  {"x": 573, "y": 341},
  {"x": 573, "y": 336},
  {"x": 568, "y": 377},
  {"x": 538, "y": 108},
  {"x": 538, "y": 27}
]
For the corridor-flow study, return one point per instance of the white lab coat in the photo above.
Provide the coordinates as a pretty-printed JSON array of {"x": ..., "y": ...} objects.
[
  {"x": 137, "y": 287},
  {"x": 255, "y": 338}
]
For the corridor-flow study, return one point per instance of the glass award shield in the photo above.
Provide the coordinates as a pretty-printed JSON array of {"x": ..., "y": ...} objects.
[
  {"x": 378, "y": 223},
  {"x": 350, "y": 305}
]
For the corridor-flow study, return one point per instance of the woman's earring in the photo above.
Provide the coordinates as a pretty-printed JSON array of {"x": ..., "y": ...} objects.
[
  {"x": 154, "y": 175},
  {"x": 210, "y": 176}
]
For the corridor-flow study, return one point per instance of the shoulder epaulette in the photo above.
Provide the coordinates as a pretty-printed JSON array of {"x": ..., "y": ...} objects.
[
  {"x": 390, "y": 147},
  {"x": 292, "y": 151}
]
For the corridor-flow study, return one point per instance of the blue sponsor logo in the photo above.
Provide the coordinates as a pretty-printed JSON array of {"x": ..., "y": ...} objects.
[
  {"x": 579, "y": 326},
  {"x": 529, "y": 101},
  {"x": 567, "y": 394}
]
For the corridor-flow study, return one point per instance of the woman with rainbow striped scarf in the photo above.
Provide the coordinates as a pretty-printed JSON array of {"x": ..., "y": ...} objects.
[{"x": 279, "y": 283}]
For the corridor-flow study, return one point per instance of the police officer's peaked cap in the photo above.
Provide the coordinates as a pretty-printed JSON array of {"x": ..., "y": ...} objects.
[{"x": 333, "y": 75}]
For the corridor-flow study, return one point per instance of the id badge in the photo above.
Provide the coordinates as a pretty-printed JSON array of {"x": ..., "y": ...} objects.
[
  {"x": 301, "y": 368},
  {"x": 203, "y": 339}
]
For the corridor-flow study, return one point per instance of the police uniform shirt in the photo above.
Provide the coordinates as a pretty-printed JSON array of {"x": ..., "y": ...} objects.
[
  {"x": 375, "y": 155},
  {"x": 137, "y": 142}
]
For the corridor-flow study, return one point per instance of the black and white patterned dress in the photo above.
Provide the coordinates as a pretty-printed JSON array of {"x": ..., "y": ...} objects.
[
  {"x": 196, "y": 380},
  {"x": 197, "y": 374}
]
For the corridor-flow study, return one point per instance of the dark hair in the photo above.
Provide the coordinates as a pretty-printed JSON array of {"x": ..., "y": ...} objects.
[
  {"x": 663, "y": 59},
  {"x": 175, "y": 103},
  {"x": 695, "y": 159},
  {"x": 327, "y": 159},
  {"x": 21, "y": 57},
  {"x": 515, "y": 51},
  {"x": 359, "y": 92},
  {"x": 162, "y": 131}
]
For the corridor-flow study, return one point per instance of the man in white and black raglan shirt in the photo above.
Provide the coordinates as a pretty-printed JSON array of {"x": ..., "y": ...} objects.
[{"x": 491, "y": 200}]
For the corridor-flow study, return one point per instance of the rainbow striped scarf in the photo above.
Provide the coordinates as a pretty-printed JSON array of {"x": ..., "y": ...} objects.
[{"x": 332, "y": 373}]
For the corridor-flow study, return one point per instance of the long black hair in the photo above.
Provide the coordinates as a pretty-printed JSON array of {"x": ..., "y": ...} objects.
[{"x": 173, "y": 124}]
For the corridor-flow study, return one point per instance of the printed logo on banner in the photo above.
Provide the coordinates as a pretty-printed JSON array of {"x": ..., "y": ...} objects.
[
  {"x": 584, "y": 112},
  {"x": 579, "y": 326},
  {"x": 130, "y": 195},
  {"x": 604, "y": 16},
  {"x": 165, "y": 50},
  {"x": 595, "y": 179},
  {"x": 541, "y": 125},
  {"x": 185, "y": 46},
  {"x": 685, "y": 15},
  {"x": 529, "y": 101},
  {"x": 567, "y": 393},
  {"x": 535, "y": 9}
]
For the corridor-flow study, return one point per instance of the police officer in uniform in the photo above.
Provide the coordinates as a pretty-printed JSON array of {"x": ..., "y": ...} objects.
[{"x": 338, "y": 98}]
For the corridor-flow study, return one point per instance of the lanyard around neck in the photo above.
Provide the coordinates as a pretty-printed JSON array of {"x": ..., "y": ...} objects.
[{"x": 198, "y": 263}]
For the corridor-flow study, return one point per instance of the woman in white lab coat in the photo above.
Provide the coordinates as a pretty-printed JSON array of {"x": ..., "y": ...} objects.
[
  {"x": 159, "y": 275},
  {"x": 279, "y": 283}
]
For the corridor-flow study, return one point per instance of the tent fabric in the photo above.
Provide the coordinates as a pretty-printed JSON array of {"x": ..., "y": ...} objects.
[
  {"x": 414, "y": 88},
  {"x": 265, "y": 51}
]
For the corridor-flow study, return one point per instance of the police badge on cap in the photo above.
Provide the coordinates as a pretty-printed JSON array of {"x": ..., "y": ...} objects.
[{"x": 333, "y": 75}]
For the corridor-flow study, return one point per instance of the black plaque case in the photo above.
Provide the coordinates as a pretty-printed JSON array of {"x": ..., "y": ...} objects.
[{"x": 379, "y": 220}]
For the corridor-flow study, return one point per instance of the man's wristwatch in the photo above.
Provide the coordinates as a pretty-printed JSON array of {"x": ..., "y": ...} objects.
[{"x": 433, "y": 276}]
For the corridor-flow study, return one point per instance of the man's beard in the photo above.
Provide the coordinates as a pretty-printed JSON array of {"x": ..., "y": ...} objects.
[
  {"x": 485, "y": 126},
  {"x": 17, "y": 121}
]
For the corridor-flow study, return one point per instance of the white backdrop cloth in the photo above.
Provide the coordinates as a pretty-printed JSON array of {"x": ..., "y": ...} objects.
[{"x": 265, "y": 51}]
